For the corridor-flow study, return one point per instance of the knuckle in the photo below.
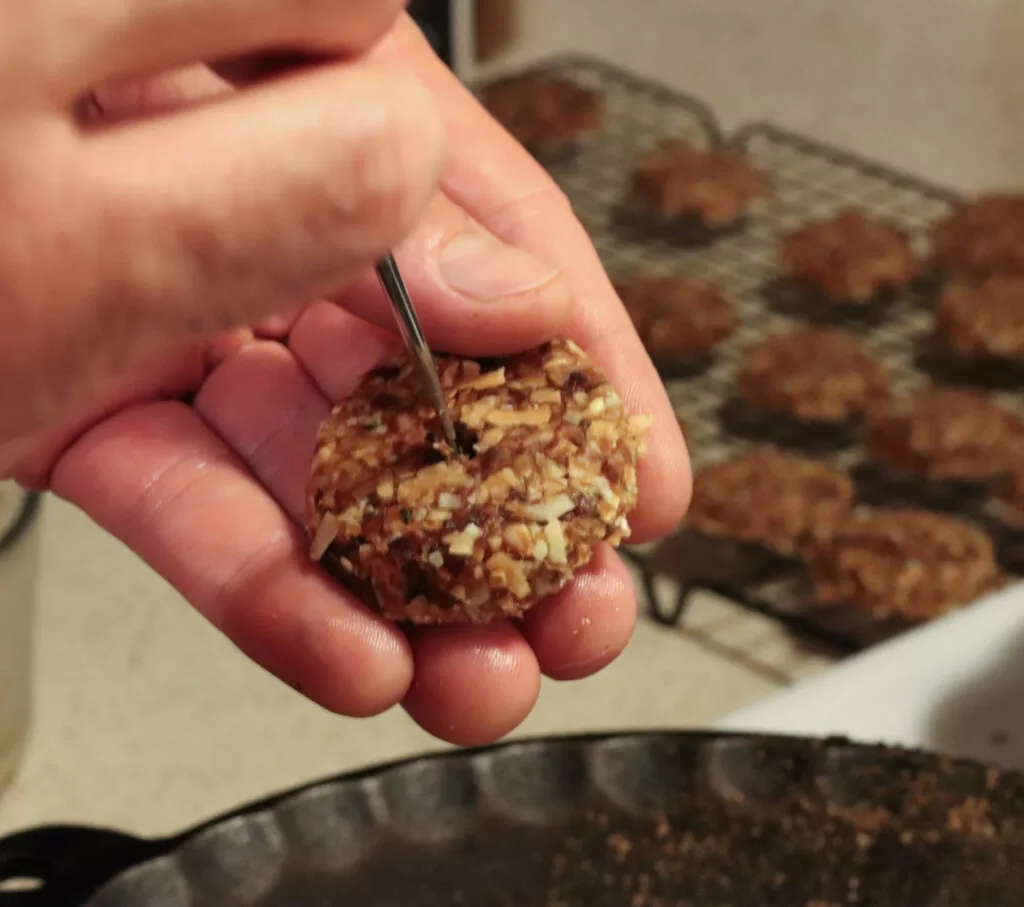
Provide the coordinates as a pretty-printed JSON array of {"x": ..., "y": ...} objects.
[{"x": 393, "y": 161}]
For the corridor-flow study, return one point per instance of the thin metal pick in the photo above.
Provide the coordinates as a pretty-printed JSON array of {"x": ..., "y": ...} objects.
[{"x": 412, "y": 334}]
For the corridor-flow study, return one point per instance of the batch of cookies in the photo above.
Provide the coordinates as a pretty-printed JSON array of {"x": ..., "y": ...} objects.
[{"x": 906, "y": 563}]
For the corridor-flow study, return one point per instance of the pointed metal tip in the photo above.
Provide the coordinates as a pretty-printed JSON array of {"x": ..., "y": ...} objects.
[{"x": 415, "y": 342}]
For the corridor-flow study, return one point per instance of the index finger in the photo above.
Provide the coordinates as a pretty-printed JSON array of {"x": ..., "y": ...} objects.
[{"x": 499, "y": 184}]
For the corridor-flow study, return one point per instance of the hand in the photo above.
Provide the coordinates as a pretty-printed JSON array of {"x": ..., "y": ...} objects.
[{"x": 210, "y": 210}]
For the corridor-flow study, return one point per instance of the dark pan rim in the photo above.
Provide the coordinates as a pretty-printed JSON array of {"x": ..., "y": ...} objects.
[{"x": 75, "y": 862}]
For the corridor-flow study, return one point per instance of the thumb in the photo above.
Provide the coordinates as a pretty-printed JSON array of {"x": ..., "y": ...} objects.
[{"x": 174, "y": 228}]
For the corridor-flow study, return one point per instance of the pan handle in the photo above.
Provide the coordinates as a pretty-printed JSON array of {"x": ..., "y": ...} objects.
[{"x": 61, "y": 865}]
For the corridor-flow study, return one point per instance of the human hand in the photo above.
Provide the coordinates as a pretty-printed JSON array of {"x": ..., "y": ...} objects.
[{"x": 210, "y": 492}]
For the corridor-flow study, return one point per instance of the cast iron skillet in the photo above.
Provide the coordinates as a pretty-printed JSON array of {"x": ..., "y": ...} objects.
[{"x": 631, "y": 820}]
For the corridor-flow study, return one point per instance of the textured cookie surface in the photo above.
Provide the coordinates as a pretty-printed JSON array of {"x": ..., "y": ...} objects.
[
  {"x": 906, "y": 563},
  {"x": 716, "y": 186},
  {"x": 813, "y": 374},
  {"x": 774, "y": 499},
  {"x": 982, "y": 237},
  {"x": 849, "y": 258},
  {"x": 544, "y": 110},
  {"x": 546, "y": 471},
  {"x": 946, "y": 433},
  {"x": 983, "y": 319},
  {"x": 677, "y": 316}
]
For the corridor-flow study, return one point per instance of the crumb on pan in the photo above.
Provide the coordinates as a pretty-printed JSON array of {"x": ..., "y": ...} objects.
[
  {"x": 813, "y": 374},
  {"x": 718, "y": 186},
  {"x": 541, "y": 109},
  {"x": 849, "y": 257},
  {"x": 982, "y": 237},
  {"x": 547, "y": 470},
  {"x": 677, "y": 317},
  {"x": 983, "y": 319},
  {"x": 770, "y": 498},
  {"x": 904, "y": 563},
  {"x": 946, "y": 433}
]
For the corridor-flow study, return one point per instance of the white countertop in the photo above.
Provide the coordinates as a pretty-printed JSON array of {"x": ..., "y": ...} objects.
[{"x": 953, "y": 686}]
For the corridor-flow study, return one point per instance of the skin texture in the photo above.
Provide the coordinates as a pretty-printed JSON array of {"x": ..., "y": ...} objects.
[{"x": 163, "y": 365}]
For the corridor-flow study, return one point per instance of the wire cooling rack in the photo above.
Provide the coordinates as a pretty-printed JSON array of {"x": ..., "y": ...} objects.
[{"x": 809, "y": 181}]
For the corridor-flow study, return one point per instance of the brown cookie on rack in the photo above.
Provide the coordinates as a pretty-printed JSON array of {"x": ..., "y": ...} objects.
[
  {"x": 544, "y": 111},
  {"x": 770, "y": 498},
  {"x": 714, "y": 186},
  {"x": 983, "y": 319},
  {"x": 813, "y": 375},
  {"x": 849, "y": 257},
  {"x": 546, "y": 471},
  {"x": 677, "y": 317},
  {"x": 946, "y": 433},
  {"x": 909, "y": 564},
  {"x": 982, "y": 237}
]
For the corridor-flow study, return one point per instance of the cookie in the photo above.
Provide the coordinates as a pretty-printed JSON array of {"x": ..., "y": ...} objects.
[
  {"x": 849, "y": 258},
  {"x": 983, "y": 319},
  {"x": 904, "y": 563},
  {"x": 546, "y": 471},
  {"x": 544, "y": 111},
  {"x": 715, "y": 186},
  {"x": 677, "y": 317},
  {"x": 982, "y": 237},
  {"x": 770, "y": 498},
  {"x": 946, "y": 433},
  {"x": 813, "y": 375}
]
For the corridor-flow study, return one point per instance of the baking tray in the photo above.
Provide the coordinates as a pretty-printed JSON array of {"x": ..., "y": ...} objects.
[
  {"x": 810, "y": 180},
  {"x": 664, "y": 818}
]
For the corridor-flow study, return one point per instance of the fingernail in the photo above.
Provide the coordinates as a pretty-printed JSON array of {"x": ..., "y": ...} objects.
[{"x": 485, "y": 269}]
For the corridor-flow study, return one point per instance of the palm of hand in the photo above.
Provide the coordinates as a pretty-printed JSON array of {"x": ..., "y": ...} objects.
[{"x": 199, "y": 463}]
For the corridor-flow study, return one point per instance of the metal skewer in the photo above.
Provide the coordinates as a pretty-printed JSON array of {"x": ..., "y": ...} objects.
[{"x": 412, "y": 334}]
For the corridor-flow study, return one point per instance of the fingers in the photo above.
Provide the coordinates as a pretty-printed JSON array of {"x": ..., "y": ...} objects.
[
  {"x": 265, "y": 407},
  {"x": 216, "y": 217},
  {"x": 474, "y": 294},
  {"x": 337, "y": 348},
  {"x": 472, "y": 684},
  {"x": 504, "y": 189},
  {"x": 282, "y": 192},
  {"x": 123, "y": 100},
  {"x": 157, "y": 478},
  {"x": 30, "y": 460},
  {"x": 83, "y": 43},
  {"x": 585, "y": 627}
]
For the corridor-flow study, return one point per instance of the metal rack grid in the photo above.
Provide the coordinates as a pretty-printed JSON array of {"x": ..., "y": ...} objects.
[{"x": 809, "y": 181}]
